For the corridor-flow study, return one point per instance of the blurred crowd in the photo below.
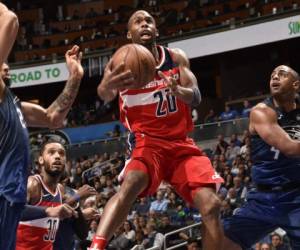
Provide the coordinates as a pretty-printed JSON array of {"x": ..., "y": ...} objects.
[
  {"x": 187, "y": 16},
  {"x": 152, "y": 217},
  {"x": 83, "y": 114}
]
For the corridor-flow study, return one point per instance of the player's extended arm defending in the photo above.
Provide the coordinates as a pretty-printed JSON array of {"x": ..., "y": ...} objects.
[
  {"x": 188, "y": 90},
  {"x": 54, "y": 115},
  {"x": 32, "y": 212},
  {"x": 9, "y": 26},
  {"x": 113, "y": 80},
  {"x": 83, "y": 192},
  {"x": 263, "y": 121},
  {"x": 79, "y": 224}
]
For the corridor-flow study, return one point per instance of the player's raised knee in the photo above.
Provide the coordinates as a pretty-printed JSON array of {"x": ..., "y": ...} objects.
[
  {"x": 213, "y": 206},
  {"x": 210, "y": 207},
  {"x": 135, "y": 181}
]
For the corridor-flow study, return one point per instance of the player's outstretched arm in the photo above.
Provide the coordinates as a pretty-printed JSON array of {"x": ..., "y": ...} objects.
[
  {"x": 9, "y": 26},
  {"x": 54, "y": 115},
  {"x": 188, "y": 90},
  {"x": 114, "y": 80},
  {"x": 32, "y": 212},
  {"x": 83, "y": 192},
  {"x": 79, "y": 223},
  {"x": 263, "y": 121},
  {"x": 37, "y": 212}
]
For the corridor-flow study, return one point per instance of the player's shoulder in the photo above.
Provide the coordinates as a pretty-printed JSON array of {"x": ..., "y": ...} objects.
[
  {"x": 33, "y": 181},
  {"x": 34, "y": 189},
  {"x": 177, "y": 53},
  {"x": 262, "y": 114},
  {"x": 262, "y": 108}
]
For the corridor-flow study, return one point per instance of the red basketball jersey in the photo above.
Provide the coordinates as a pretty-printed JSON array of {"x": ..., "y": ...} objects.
[
  {"x": 40, "y": 234},
  {"x": 152, "y": 110}
]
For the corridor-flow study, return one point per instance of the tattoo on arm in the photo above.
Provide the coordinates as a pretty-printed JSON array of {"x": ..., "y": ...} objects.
[{"x": 65, "y": 100}]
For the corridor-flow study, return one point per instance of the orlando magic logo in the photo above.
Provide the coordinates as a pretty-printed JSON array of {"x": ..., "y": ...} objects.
[{"x": 293, "y": 131}]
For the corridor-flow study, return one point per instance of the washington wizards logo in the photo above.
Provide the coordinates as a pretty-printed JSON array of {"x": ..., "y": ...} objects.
[{"x": 293, "y": 131}]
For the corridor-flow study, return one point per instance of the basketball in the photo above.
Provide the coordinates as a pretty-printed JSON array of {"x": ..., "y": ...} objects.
[{"x": 139, "y": 60}]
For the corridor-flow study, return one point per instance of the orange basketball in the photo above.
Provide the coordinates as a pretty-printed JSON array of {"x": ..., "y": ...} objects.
[{"x": 139, "y": 60}]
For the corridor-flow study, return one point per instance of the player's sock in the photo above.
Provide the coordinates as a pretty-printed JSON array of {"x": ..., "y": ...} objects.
[{"x": 99, "y": 243}]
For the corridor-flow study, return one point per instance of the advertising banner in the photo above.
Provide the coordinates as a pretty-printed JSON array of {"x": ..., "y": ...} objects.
[
  {"x": 248, "y": 36},
  {"x": 39, "y": 75}
]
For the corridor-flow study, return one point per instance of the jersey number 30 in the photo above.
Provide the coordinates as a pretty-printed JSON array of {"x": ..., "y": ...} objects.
[
  {"x": 166, "y": 103},
  {"x": 52, "y": 228}
]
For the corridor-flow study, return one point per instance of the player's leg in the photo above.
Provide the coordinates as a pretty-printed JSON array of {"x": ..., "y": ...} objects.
[
  {"x": 229, "y": 244},
  {"x": 139, "y": 180},
  {"x": 253, "y": 221},
  {"x": 195, "y": 180},
  {"x": 245, "y": 228},
  {"x": 9, "y": 220},
  {"x": 288, "y": 204},
  {"x": 117, "y": 208},
  {"x": 208, "y": 203}
]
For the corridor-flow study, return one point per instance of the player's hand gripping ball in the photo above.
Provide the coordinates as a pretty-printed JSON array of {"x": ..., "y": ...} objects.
[{"x": 139, "y": 60}]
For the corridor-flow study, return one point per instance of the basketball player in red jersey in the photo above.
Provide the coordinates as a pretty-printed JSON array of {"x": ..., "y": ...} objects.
[
  {"x": 44, "y": 190},
  {"x": 159, "y": 119}
]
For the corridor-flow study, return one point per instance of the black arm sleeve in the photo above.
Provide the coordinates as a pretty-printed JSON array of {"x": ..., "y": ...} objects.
[
  {"x": 196, "y": 97},
  {"x": 80, "y": 226},
  {"x": 33, "y": 213}
]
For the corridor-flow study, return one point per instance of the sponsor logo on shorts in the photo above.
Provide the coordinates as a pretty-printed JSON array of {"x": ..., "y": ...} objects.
[{"x": 216, "y": 176}]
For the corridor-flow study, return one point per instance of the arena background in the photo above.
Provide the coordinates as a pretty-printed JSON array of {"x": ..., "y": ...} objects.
[{"x": 233, "y": 46}]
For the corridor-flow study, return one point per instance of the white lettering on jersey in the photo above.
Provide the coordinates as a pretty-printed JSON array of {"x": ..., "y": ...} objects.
[
  {"x": 216, "y": 176},
  {"x": 21, "y": 117}
]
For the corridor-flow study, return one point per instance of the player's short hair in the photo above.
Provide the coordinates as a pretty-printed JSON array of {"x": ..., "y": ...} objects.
[
  {"x": 297, "y": 76},
  {"x": 50, "y": 140},
  {"x": 294, "y": 73},
  {"x": 130, "y": 18}
]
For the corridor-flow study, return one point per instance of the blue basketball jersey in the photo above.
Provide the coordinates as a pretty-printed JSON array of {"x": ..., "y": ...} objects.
[
  {"x": 14, "y": 149},
  {"x": 270, "y": 166}
]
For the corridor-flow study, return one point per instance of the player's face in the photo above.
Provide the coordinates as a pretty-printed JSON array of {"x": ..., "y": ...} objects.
[
  {"x": 142, "y": 28},
  {"x": 53, "y": 159},
  {"x": 283, "y": 81},
  {"x": 5, "y": 75}
]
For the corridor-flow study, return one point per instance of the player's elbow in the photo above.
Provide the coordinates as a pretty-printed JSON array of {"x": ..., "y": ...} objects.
[
  {"x": 12, "y": 20},
  {"x": 55, "y": 122},
  {"x": 56, "y": 125},
  {"x": 197, "y": 98},
  {"x": 292, "y": 149}
]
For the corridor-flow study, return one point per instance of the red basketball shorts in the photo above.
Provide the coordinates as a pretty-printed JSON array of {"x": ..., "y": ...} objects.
[{"x": 179, "y": 162}]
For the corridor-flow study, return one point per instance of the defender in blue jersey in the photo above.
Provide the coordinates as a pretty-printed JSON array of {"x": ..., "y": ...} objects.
[
  {"x": 275, "y": 152},
  {"x": 14, "y": 143}
]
